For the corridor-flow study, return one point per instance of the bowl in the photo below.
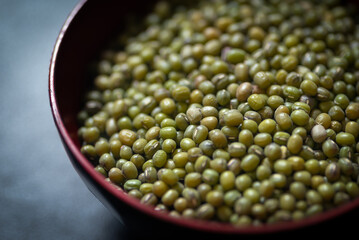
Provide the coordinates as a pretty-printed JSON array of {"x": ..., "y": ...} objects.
[{"x": 88, "y": 27}]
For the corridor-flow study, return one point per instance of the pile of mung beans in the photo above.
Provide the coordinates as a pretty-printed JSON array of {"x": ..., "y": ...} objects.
[{"x": 244, "y": 112}]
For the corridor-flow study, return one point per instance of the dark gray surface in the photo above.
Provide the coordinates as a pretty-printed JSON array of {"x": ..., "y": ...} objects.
[{"x": 41, "y": 195}]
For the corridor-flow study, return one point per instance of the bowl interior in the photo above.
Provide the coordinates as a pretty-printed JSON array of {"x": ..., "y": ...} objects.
[{"x": 87, "y": 30}]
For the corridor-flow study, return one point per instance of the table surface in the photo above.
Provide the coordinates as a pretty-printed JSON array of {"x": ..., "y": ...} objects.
[{"x": 41, "y": 195}]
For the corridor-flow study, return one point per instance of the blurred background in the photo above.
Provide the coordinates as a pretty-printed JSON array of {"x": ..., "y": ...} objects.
[{"x": 41, "y": 195}]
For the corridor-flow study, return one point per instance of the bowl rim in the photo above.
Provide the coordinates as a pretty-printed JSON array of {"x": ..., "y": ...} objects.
[{"x": 195, "y": 224}]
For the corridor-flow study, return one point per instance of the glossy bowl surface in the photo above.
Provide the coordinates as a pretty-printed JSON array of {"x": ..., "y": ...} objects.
[{"x": 89, "y": 26}]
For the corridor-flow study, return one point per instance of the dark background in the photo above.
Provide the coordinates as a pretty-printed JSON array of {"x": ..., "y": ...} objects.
[{"x": 41, "y": 195}]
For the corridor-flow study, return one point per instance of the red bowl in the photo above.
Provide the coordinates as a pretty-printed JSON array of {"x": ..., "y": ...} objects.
[{"x": 85, "y": 31}]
